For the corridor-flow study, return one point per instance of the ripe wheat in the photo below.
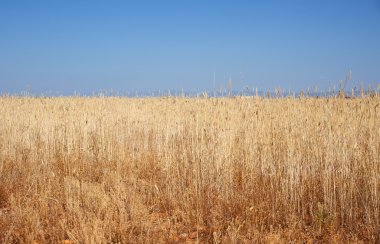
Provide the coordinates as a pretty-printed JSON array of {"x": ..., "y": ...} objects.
[{"x": 148, "y": 170}]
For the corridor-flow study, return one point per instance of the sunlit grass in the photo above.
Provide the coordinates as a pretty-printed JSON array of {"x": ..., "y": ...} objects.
[{"x": 148, "y": 170}]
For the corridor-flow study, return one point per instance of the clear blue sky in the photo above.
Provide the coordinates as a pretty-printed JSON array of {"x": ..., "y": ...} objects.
[{"x": 88, "y": 46}]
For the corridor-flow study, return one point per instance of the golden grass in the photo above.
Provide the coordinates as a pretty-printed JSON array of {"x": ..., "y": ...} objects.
[{"x": 225, "y": 170}]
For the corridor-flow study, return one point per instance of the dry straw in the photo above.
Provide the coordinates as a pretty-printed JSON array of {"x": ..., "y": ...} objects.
[{"x": 151, "y": 170}]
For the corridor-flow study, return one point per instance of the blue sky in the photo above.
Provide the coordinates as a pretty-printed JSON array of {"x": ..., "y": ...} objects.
[{"x": 89, "y": 46}]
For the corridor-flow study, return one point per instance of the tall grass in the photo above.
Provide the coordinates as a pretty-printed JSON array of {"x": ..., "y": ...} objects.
[{"x": 216, "y": 170}]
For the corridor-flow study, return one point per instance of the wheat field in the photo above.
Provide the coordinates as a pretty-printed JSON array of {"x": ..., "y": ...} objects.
[{"x": 174, "y": 170}]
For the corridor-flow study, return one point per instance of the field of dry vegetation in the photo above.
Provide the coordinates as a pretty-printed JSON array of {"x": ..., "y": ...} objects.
[{"x": 170, "y": 170}]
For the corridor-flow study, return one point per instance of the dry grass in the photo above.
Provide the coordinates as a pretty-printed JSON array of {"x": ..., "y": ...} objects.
[{"x": 226, "y": 170}]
